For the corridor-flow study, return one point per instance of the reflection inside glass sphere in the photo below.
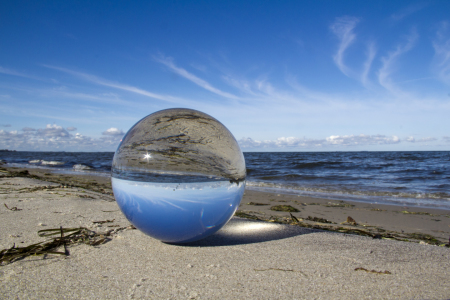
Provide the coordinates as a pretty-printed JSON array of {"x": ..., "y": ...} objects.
[
  {"x": 178, "y": 175},
  {"x": 178, "y": 212}
]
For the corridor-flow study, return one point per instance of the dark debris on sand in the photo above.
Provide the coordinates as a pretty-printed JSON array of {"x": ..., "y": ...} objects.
[
  {"x": 64, "y": 238},
  {"x": 349, "y": 227}
]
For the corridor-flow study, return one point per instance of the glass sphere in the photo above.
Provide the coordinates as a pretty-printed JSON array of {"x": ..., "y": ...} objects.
[{"x": 178, "y": 175}]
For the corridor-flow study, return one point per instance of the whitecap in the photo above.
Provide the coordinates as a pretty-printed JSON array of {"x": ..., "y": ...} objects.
[
  {"x": 52, "y": 163},
  {"x": 80, "y": 167}
]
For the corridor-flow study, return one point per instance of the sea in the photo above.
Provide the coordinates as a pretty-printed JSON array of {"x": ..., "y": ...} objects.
[{"x": 408, "y": 179}]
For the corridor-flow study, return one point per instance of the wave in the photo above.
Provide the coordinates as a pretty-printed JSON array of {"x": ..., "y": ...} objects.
[
  {"x": 312, "y": 165},
  {"x": 46, "y": 162},
  {"x": 52, "y": 163},
  {"x": 348, "y": 191},
  {"x": 288, "y": 177},
  {"x": 79, "y": 167}
]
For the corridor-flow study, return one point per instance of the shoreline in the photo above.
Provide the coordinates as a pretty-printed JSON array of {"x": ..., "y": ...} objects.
[
  {"x": 345, "y": 197},
  {"x": 106, "y": 177},
  {"x": 406, "y": 223},
  {"x": 285, "y": 256}
]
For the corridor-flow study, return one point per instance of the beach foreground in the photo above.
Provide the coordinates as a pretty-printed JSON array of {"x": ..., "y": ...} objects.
[{"x": 246, "y": 259}]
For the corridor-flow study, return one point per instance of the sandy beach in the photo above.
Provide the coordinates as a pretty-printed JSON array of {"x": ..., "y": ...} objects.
[{"x": 277, "y": 246}]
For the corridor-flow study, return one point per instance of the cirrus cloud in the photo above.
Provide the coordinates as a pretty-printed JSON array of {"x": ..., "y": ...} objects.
[{"x": 343, "y": 29}]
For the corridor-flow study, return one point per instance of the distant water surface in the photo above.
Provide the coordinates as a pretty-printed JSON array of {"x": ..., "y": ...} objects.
[{"x": 401, "y": 178}]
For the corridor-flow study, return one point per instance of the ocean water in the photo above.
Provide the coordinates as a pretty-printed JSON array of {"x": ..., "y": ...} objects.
[
  {"x": 419, "y": 179},
  {"x": 400, "y": 178}
]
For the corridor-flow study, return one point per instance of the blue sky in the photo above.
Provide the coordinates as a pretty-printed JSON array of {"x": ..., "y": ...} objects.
[{"x": 280, "y": 75}]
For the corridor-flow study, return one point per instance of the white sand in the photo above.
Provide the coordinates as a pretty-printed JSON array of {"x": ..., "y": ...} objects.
[{"x": 246, "y": 259}]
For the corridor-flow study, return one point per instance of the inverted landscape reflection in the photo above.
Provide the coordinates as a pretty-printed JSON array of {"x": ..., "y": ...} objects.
[{"x": 178, "y": 212}]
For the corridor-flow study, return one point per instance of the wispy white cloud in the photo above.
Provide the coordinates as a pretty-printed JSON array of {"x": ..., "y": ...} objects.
[
  {"x": 389, "y": 61},
  {"x": 408, "y": 10},
  {"x": 16, "y": 73},
  {"x": 11, "y": 72},
  {"x": 62, "y": 92},
  {"x": 309, "y": 94},
  {"x": 100, "y": 81},
  {"x": 72, "y": 112},
  {"x": 441, "y": 46},
  {"x": 168, "y": 62},
  {"x": 417, "y": 79},
  {"x": 201, "y": 68},
  {"x": 261, "y": 91},
  {"x": 71, "y": 128},
  {"x": 343, "y": 28},
  {"x": 371, "y": 51},
  {"x": 243, "y": 85}
]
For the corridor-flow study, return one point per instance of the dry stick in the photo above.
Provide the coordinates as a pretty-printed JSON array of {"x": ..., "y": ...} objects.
[
  {"x": 66, "y": 251},
  {"x": 294, "y": 218},
  {"x": 373, "y": 271},
  {"x": 12, "y": 208},
  {"x": 102, "y": 222}
]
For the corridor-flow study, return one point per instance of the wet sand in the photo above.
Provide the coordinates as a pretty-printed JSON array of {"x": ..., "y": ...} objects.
[
  {"x": 400, "y": 222},
  {"x": 297, "y": 254}
]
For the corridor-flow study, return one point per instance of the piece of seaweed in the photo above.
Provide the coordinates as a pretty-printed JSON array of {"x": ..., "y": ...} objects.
[
  {"x": 294, "y": 219},
  {"x": 257, "y": 203},
  {"x": 245, "y": 215},
  {"x": 102, "y": 222},
  {"x": 320, "y": 220},
  {"x": 67, "y": 236},
  {"x": 350, "y": 221},
  {"x": 375, "y": 233},
  {"x": 373, "y": 271},
  {"x": 12, "y": 208},
  {"x": 287, "y": 208}
]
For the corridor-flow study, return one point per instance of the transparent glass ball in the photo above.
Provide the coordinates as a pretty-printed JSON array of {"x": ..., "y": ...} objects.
[{"x": 178, "y": 175}]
